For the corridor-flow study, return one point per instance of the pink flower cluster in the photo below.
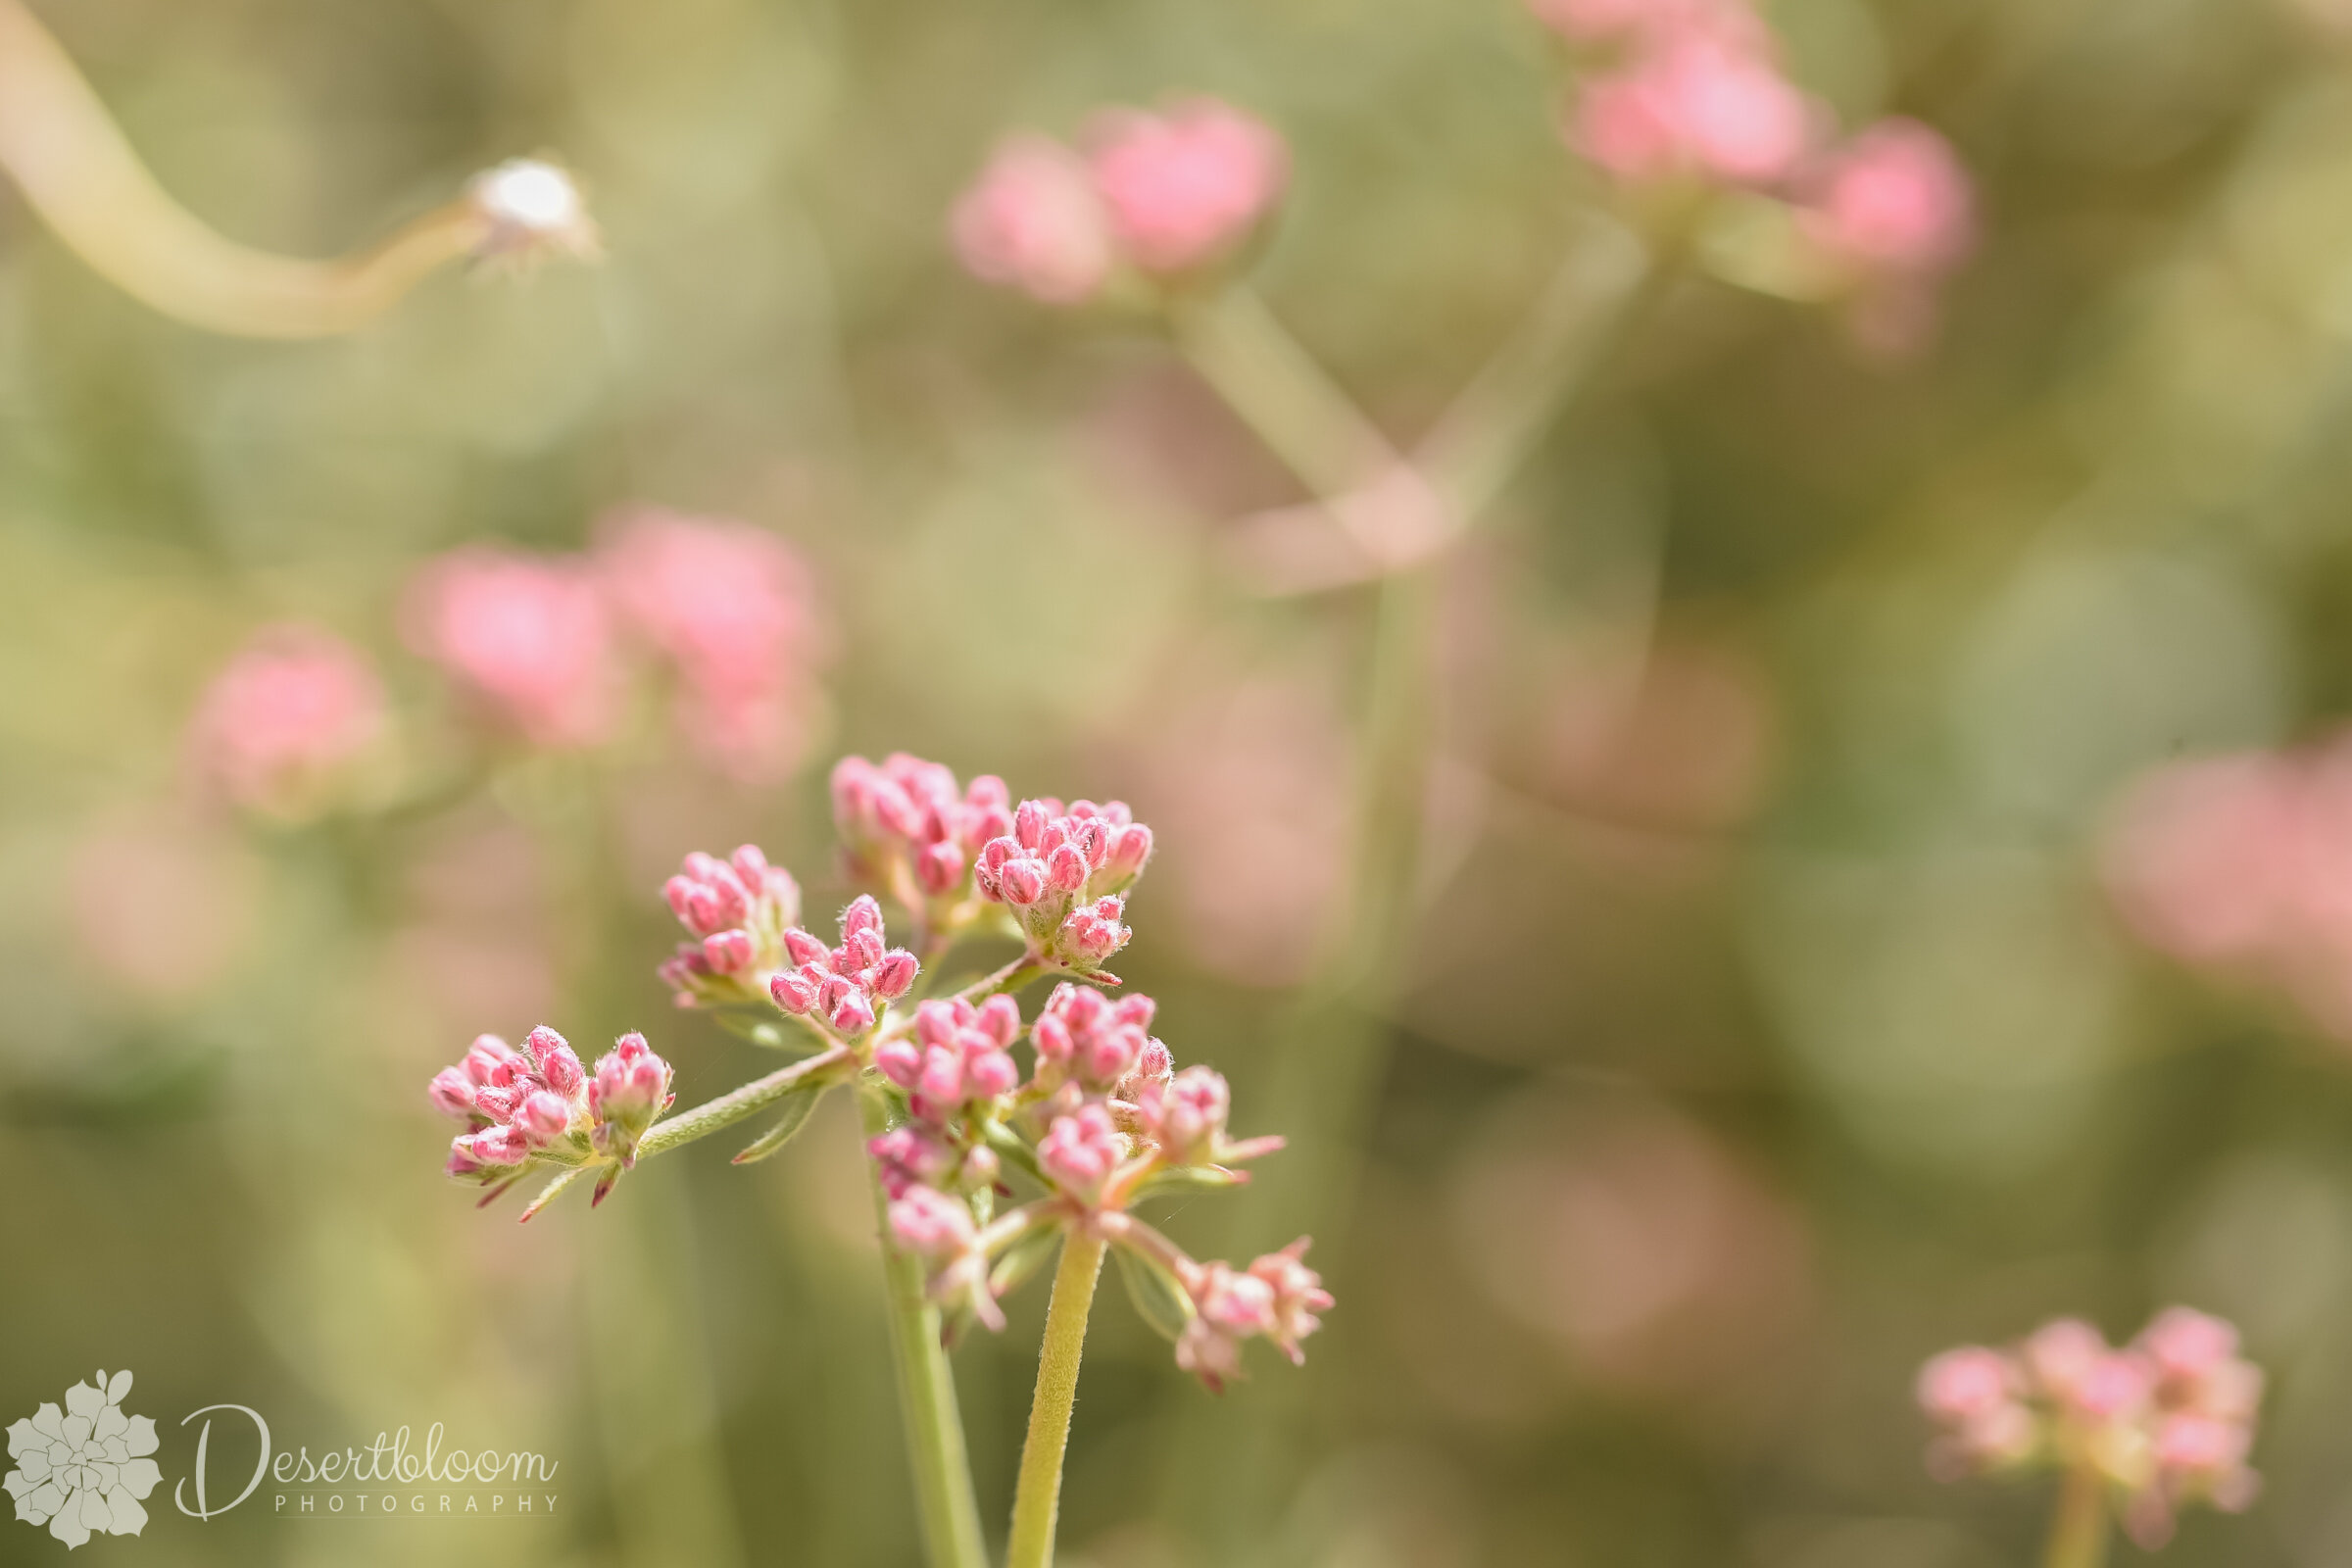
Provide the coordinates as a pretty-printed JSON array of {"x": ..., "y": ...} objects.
[
  {"x": 960, "y": 1053},
  {"x": 1062, "y": 873},
  {"x": 2242, "y": 864},
  {"x": 847, "y": 987},
  {"x": 2165, "y": 1421},
  {"x": 539, "y": 645},
  {"x": 1695, "y": 89},
  {"x": 286, "y": 719},
  {"x": 1277, "y": 1299},
  {"x": 1162, "y": 194},
  {"x": 737, "y": 912},
  {"x": 910, "y": 826},
  {"x": 538, "y": 1105}
]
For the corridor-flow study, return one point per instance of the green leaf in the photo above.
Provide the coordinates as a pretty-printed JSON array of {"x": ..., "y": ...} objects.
[
  {"x": 1025, "y": 1258},
  {"x": 795, "y": 1108},
  {"x": 1154, "y": 1291},
  {"x": 1175, "y": 1180}
]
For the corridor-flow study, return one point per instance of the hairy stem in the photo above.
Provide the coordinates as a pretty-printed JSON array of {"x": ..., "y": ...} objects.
[
  {"x": 1037, "y": 1496},
  {"x": 2079, "y": 1529},
  {"x": 738, "y": 1104},
  {"x": 943, "y": 1479}
]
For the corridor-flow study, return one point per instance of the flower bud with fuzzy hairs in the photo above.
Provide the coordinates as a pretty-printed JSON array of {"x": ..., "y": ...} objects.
[{"x": 631, "y": 1087}]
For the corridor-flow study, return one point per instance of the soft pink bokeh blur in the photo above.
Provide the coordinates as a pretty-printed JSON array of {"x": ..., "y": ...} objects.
[
  {"x": 1032, "y": 220},
  {"x": 526, "y": 638},
  {"x": 1895, "y": 198},
  {"x": 1187, "y": 184},
  {"x": 293, "y": 710}
]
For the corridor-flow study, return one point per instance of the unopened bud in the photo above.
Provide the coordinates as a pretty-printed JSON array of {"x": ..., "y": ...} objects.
[
  {"x": 728, "y": 952},
  {"x": 895, "y": 975}
]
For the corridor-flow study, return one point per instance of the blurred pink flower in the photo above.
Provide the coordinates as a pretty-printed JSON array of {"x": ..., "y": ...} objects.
[
  {"x": 165, "y": 906},
  {"x": 2166, "y": 1420},
  {"x": 731, "y": 607},
  {"x": 1184, "y": 186},
  {"x": 1703, "y": 102},
  {"x": 1032, "y": 220},
  {"x": 2243, "y": 865},
  {"x": 292, "y": 710},
  {"x": 1893, "y": 198},
  {"x": 526, "y": 638}
]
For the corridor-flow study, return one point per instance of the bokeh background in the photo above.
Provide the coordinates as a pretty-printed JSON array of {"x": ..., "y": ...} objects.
[{"x": 1759, "y": 1024}]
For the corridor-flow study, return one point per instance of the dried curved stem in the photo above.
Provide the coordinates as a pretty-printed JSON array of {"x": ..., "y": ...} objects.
[{"x": 88, "y": 185}]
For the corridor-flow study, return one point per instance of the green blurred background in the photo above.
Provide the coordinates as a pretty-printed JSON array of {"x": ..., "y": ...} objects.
[{"x": 1761, "y": 1029}]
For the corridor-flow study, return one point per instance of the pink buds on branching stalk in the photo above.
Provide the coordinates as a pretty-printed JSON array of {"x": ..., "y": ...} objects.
[
  {"x": 2164, "y": 1421},
  {"x": 538, "y": 1105},
  {"x": 1228, "y": 1307},
  {"x": 1084, "y": 1036},
  {"x": 941, "y": 1230},
  {"x": 1060, "y": 872},
  {"x": 1298, "y": 1295},
  {"x": 907, "y": 825},
  {"x": 1184, "y": 1116},
  {"x": 737, "y": 911},
  {"x": 844, "y": 988},
  {"x": 1700, "y": 101},
  {"x": 287, "y": 721},
  {"x": 1079, "y": 1152},
  {"x": 958, "y": 1054}
]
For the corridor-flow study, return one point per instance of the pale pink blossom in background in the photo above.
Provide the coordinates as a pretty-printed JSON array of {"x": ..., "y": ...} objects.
[
  {"x": 163, "y": 906},
  {"x": 1032, "y": 220},
  {"x": 290, "y": 712},
  {"x": 1895, "y": 198},
  {"x": 731, "y": 609},
  {"x": 2243, "y": 865},
  {"x": 526, "y": 638},
  {"x": 1644, "y": 21},
  {"x": 1701, "y": 103},
  {"x": 1245, "y": 779},
  {"x": 1185, "y": 186}
]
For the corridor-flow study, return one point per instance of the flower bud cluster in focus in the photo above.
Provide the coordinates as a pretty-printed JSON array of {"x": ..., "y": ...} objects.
[
  {"x": 539, "y": 1108},
  {"x": 2165, "y": 1421}
]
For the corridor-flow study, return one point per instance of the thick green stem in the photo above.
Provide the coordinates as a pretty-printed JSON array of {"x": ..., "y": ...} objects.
[
  {"x": 2079, "y": 1529},
  {"x": 1037, "y": 1497},
  {"x": 943, "y": 1476}
]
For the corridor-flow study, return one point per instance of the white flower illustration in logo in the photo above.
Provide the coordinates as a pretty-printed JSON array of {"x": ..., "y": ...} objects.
[{"x": 83, "y": 1471}]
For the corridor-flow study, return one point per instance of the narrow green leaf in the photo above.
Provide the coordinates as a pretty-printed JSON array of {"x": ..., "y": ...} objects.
[
  {"x": 1023, "y": 1259},
  {"x": 1155, "y": 1291},
  {"x": 547, "y": 1193},
  {"x": 1180, "y": 1179},
  {"x": 795, "y": 1108}
]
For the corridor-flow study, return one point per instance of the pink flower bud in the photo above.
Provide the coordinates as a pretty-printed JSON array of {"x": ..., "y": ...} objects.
[
  {"x": 1894, "y": 199},
  {"x": 1185, "y": 187},
  {"x": 853, "y": 1014},
  {"x": 1298, "y": 1295},
  {"x": 528, "y": 640},
  {"x": 932, "y": 1225},
  {"x": 1066, "y": 869},
  {"x": 863, "y": 915},
  {"x": 991, "y": 1073},
  {"x": 544, "y": 1117},
  {"x": 484, "y": 1057},
  {"x": 900, "y": 1060},
  {"x": 1186, "y": 1117},
  {"x": 895, "y": 975},
  {"x": 793, "y": 990},
  {"x": 1029, "y": 824},
  {"x": 539, "y": 1044},
  {"x": 560, "y": 1070},
  {"x": 999, "y": 1018},
  {"x": 292, "y": 713},
  {"x": 1228, "y": 1308},
  {"x": 939, "y": 867},
  {"x": 1964, "y": 1384},
  {"x": 805, "y": 949},
  {"x": 2187, "y": 1345},
  {"x": 728, "y": 952},
  {"x": 452, "y": 1093},
  {"x": 631, "y": 1087},
  {"x": 1128, "y": 848},
  {"x": 1021, "y": 882},
  {"x": 911, "y": 1155},
  {"x": 1032, "y": 221},
  {"x": 1081, "y": 1151}
]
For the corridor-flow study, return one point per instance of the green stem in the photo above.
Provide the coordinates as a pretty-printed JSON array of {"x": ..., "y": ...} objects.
[
  {"x": 737, "y": 1104},
  {"x": 943, "y": 1478},
  {"x": 1280, "y": 392},
  {"x": 2079, "y": 1529},
  {"x": 1037, "y": 1497}
]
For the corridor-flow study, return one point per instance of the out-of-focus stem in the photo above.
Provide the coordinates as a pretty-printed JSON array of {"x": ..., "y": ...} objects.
[
  {"x": 1279, "y": 390},
  {"x": 2079, "y": 1529},
  {"x": 943, "y": 1479},
  {"x": 79, "y": 174},
  {"x": 1037, "y": 1495}
]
